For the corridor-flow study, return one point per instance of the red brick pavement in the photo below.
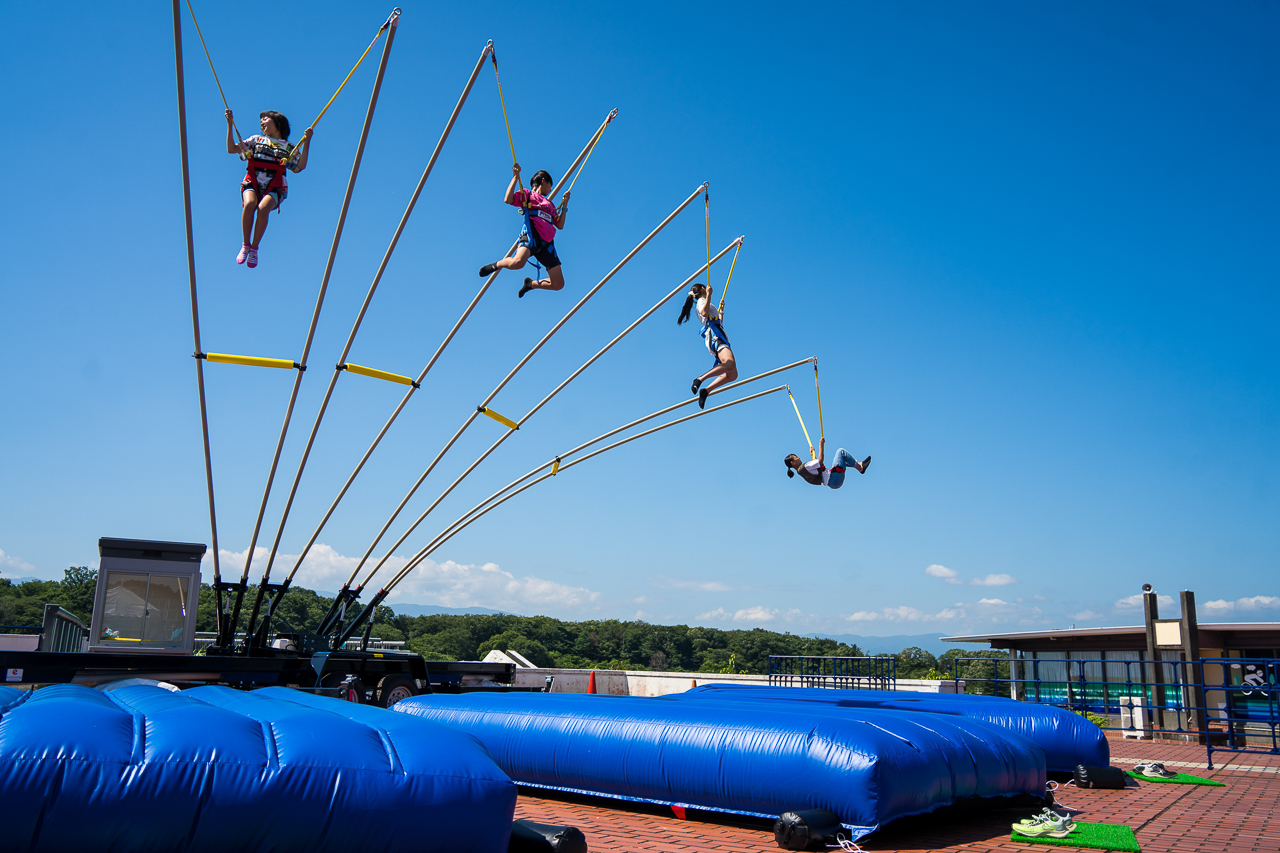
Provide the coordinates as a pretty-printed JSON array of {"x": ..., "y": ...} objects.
[{"x": 1243, "y": 816}]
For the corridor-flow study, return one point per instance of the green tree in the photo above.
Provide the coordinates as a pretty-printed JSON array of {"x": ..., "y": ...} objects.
[
  {"x": 517, "y": 642},
  {"x": 915, "y": 662},
  {"x": 985, "y": 671}
]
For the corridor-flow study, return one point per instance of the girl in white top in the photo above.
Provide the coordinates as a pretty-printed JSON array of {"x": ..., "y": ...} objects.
[
  {"x": 818, "y": 474},
  {"x": 725, "y": 368}
]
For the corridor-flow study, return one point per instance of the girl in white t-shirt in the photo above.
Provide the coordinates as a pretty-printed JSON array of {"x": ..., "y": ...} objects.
[
  {"x": 725, "y": 368},
  {"x": 264, "y": 187},
  {"x": 818, "y": 474}
]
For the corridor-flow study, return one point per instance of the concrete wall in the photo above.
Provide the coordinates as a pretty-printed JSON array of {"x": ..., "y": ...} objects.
[
  {"x": 19, "y": 642},
  {"x": 626, "y": 683}
]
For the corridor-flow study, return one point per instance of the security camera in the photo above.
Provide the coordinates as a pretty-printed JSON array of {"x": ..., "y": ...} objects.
[{"x": 1146, "y": 587}]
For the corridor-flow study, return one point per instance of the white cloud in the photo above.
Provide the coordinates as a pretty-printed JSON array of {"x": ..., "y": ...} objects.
[
  {"x": 1135, "y": 601},
  {"x": 748, "y": 614},
  {"x": 939, "y": 571},
  {"x": 1086, "y": 615},
  {"x": 1257, "y": 602},
  {"x": 994, "y": 580},
  {"x": 903, "y": 613},
  {"x": 16, "y": 564},
  {"x": 862, "y": 616},
  {"x": 991, "y": 601},
  {"x": 641, "y": 599},
  {"x": 755, "y": 614},
  {"x": 448, "y": 584},
  {"x": 701, "y": 586},
  {"x": 640, "y": 616}
]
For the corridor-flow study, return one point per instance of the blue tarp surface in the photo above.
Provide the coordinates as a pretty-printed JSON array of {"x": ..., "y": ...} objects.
[
  {"x": 214, "y": 769},
  {"x": 1066, "y": 738},
  {"x": 869, "y": 767},
  {"x": 9, "y": 695}
]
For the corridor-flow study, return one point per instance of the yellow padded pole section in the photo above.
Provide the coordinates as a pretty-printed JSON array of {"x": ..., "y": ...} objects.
[
  {"x": 505, "y": 421},
  {"x": 250, "y": 360},
  {"x": 378, "y": 374}
]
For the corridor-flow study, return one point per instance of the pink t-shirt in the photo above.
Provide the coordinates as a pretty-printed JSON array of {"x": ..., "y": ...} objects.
[{"x": 546, "y": 230}]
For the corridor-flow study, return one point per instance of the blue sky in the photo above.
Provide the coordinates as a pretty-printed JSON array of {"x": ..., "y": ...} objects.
[{"x": 1032, "y": 245}]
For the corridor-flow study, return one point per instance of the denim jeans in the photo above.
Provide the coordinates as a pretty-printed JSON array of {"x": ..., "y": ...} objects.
[{"x": 843, "y": 459}]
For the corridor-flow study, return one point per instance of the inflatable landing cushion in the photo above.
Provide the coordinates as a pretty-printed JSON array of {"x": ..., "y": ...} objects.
[
  {"x": 214, "y": 769},
  {"x": 10, "y": 696},
  {"x": 868, "y": 767},
  {"x": 1066, "y": 738}
]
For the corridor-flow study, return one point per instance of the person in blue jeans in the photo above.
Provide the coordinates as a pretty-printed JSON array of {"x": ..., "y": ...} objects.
[{"x": 818, "y": 474}]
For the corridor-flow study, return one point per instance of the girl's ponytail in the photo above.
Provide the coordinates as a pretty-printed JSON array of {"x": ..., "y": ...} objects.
[
  {"x": 695, "y": 292},
  {"x": 686, "y": 310}
]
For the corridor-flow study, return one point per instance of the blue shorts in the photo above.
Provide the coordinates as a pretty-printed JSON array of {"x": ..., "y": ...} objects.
[{"x": 542, "y": 250}]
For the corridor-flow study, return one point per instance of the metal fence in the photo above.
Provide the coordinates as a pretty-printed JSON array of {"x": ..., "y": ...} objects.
[
  {"x": 1228, "y": 704},
  {"x": 859, "y": 673},
  {"x": 204, "y": 639},
  {"x": 61, "y": 631}
]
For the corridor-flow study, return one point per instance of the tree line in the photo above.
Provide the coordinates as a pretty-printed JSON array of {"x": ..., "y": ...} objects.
[{"x": 545, "y": 641}]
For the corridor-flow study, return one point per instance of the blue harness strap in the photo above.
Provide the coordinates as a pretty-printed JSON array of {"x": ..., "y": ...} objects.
[
  {"x": 716, "y": 329},
  {"x": 528, "y": 235}
]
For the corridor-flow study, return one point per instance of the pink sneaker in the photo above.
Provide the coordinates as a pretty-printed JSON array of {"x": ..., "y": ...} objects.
[
  {"x": 252, "y": 257},
  {"x": 244, "y": 253}
]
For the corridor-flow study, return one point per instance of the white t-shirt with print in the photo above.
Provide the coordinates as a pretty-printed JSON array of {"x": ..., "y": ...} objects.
[{"x": 815, "y": 467}]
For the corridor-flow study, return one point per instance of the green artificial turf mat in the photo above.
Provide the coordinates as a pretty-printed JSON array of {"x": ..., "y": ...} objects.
[
  {"x": 1179, "y": 779},
  {"x": 1101, "y": 836}
]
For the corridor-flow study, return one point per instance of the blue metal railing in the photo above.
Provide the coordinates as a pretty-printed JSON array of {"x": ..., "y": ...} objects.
[
  {"x": 1229, "y": 704},
  {"x": 858, "y": 673},
  {"x": 62, "y": 631}
]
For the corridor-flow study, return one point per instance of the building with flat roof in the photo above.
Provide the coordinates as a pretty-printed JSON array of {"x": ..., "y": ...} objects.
[{"x": 1176, "y": 664}]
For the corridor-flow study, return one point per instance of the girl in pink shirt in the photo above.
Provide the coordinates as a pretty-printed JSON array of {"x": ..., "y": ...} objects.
[{"x": 541, "y": 220}]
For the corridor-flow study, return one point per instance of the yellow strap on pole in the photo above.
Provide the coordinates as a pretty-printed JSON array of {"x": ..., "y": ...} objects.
[
  {"x": 388, "y": 23},
  {"x": 555, "y": 467},
  {"x": 502, "y": 419},
  {"x": 821, "y": 430},
  {"x": 251, "y": 360},
  {"x": 493, "y": 55},
  {"x": 599, "y": 133},
  {"x": 211, "y": 68},
  {"x": 812, "y": 455},
  {"x": 377, "y": 374},
  {"x": 725, "y": 292}
]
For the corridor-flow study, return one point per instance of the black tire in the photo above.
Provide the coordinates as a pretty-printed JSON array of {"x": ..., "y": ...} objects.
[{"x": 393, "y": 688}]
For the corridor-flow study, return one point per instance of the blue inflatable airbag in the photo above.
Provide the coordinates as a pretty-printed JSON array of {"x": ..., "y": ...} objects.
[
  {"x": 869, "y": 767},
  {"x": 1066, "y": 738},
  {"x": 9, "y": 695},
  {"x": 214, "y": 769}
]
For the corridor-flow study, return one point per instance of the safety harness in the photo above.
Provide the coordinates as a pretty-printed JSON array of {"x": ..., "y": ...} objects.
[{"x": 276, "y": 167}]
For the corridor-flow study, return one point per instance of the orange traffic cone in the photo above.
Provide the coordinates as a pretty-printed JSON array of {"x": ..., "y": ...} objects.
[{"x": 591, "y": 682}]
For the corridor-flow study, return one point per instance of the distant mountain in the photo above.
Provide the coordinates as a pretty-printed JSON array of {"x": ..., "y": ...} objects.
[
  {"x": 433, "y": 610},
  {"x": 893, "y": 644},
  {"x": 16, "y": 581}
]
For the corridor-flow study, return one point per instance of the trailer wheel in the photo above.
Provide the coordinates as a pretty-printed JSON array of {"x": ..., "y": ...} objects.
[
  {"x": 393, "y": 688},
  {"x": 350, "y": 688},
  {"x": 353, "y": 691}
]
